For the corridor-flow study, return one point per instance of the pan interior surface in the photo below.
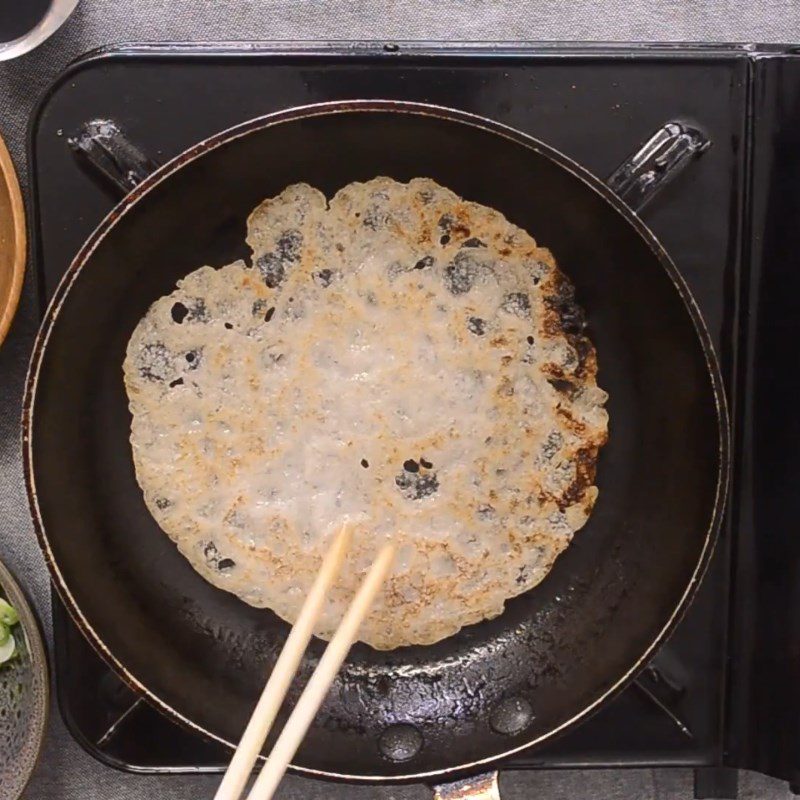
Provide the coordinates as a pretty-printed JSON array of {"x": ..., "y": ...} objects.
[{"x": 204, "y": 654}]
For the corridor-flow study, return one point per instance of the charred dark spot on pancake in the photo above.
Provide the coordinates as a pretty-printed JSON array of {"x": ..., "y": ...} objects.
[
  {"x": 193, "y": 310},
  {"x": 575, "y": 425},
  {"x": 571, "y": 317},
  {"x": 462, "y": 272},
  {"x": 536, "y": 270},
  {"x": 517, "y": 303},
  {"x": 211, "y": 553},
  {"x": 396, "y": 268},
  {"x": 375, "y": 218},
  {"x": 289, "y": 245},
  {"x": 416, "y": 486},
  {"x": 272, "y": 269},
  {"x": 569, "y": 359},
  {"x": 258, "y": 307},
  {"x": 364, "y": 463},
  {"x": 552, "y": 444},
  {"x": 445, "y": 239},
  {"x": 485, "y": 511},
  {"x": 176, "y": 382},
  {"x": 451, "y": 226},
  {"x": 410, "y": 465},
  {"x": 476, "y": 325},
  {"x": 229, "y": 326},
  {"x": 323, "y": 277},
  {"x": 458, "y": 278},
  {"x": 213, "y": 559},
  {"x": 179, "y": 312},
  {"x": 155, "y": 362},
  {"x": 270, "y": 312},
  {"x": 563, "y": 386},
  {"x": 425, "y": 464},
  {"x": 474, "y": 241},
  {"x": 425, "y": 261},
  {"x": 163, "y": 503},
  {"x": 585, "y": 353},
  {"x": 564, "y": 316},
  {"x": 193, "y": 359},
  {"x": 585, "y": 469},
  {"x": 529, "y": 339}
]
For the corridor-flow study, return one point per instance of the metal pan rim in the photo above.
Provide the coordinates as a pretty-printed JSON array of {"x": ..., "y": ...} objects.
[{"x": 380, "y": 106}]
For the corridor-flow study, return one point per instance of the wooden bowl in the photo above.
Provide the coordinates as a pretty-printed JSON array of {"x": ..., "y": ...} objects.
[{"x": 13, "y": 242}]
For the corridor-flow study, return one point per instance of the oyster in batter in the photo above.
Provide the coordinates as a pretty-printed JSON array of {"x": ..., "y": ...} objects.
[{"x": 397, "y": 358}]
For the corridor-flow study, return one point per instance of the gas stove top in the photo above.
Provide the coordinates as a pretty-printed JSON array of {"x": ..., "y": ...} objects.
[{"x": 721, "y": 693}]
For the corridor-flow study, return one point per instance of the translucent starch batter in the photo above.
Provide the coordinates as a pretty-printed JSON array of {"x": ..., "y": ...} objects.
[{"x": 399, "y": 358}]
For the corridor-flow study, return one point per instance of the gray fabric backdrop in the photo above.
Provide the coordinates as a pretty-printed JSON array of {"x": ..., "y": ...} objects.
[{"x": 65, "y": 770}]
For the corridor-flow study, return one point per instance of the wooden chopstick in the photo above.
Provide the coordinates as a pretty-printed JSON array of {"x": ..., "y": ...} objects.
[
  {"x": 320, "y": 682},
  {"x": 241, "y": 766}
]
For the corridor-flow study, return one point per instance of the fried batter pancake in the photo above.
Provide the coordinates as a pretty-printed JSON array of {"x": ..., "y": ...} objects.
[{"x": 398, "y": 358}]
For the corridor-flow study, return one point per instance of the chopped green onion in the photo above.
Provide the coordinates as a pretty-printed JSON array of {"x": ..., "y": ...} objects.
[
  {"x": 8, "y": 650},
  {"x": 5, "y": 632},
  {"x": 8, "y": 616}
]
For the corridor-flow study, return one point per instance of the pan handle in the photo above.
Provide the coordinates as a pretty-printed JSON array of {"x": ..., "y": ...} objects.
[
  {"x": 656, "y": 163},
  {"x": 479, "y": 787},
  {"x": 106, "y": 148}
]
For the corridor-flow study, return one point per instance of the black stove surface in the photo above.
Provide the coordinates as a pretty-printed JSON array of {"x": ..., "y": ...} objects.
[{"x": 597, "y": 106}]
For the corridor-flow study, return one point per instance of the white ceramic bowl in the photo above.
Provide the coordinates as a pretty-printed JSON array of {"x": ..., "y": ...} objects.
[{"x": 58, "y": 12}]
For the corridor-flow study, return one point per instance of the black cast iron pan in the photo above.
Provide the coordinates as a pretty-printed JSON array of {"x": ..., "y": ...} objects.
[{"x": 200, "y": 654}]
